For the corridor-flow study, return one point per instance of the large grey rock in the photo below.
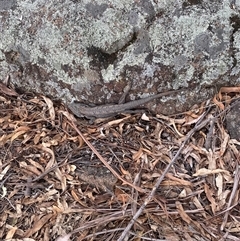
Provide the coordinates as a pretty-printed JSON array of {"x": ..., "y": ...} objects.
[{"x": 89, "y": 50}]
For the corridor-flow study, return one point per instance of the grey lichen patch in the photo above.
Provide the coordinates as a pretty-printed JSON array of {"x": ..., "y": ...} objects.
[
  {"x": 96, "y": 10},
  {"x": 142, "y": 43},
  {"x": 7, "y": 4},
  {"x": 110, "y": 33},
  {"x": 147, "y": 7},
  {"x": 193, "y": 36}
]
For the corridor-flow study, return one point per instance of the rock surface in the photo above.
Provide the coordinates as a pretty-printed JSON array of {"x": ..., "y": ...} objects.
[
  {"x": 88, "y": 50},
  {"x": 233, "y": 122}
]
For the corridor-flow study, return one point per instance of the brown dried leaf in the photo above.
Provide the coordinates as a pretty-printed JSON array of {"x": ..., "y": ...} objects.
[
  {"x": 219, "y": 184},
  {"x": 210, "y": 194},
  {"x": 4, "y": 139},
  {"x": 61, "y": 178},
  {"x": 178, "y": 181},
  {"x": 3, "y": 99},
  {"x": 4, "y": 89},
  {"x": 11, "y": 232},
  {"x": 30, "y": 168},
  {"x": 138, "y": 154},
  {"x": 199, "y": 206},
  {"x": 171, "y": 120},
  {"x": 193, "y": 121},
  {"x": 37, "y": 138},
  {"x": 212, "y": 157},
  {"x": 182, "y": 213},
  {"x": 121, "y": 196},
  {"x": 205, "y": 171},
  {"x": 218, "y": 103},
  {"x": 36, "y": 164},
  {"x": 114, "y": 122},
  {"x": 50, "y": 107},
  {"x": 37, "y": 225},
  {"x": 220, "y": 96},
  {"x": 18, "y": 132},
  {"x": 224, "y": 144},
  {"x": 52, "y": 159},
  {"x": 125, "y": 173},
  {"x": 187, "y": 219},
  {"x": 171, "y": 236},
  {"x": 76, "y": 198},
  {"x": 234, "y": 89}
]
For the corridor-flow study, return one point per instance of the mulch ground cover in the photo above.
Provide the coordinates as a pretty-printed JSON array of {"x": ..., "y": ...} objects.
[{"x": 132, "y": 177}]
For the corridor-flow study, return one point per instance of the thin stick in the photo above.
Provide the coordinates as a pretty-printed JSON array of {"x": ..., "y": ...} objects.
[{"x": 232, "y": 196}]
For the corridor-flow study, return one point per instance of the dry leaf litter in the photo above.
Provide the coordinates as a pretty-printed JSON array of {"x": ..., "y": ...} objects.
[{"x": 135, "y": 177}]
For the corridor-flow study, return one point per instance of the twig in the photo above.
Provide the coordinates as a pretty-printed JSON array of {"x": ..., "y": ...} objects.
[
  {"x": 50, "y": 169},
  {"x": 234, "y": 190},
  {"x": 2, "y": 183},
  {"x": 120, "y": 229},
  {"x": 108, "y": 218}
]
